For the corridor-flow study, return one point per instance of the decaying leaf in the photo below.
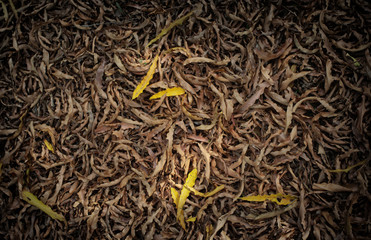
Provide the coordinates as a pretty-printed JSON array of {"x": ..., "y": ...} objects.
[
  {"x": 279, "y": 198},
  {"x": 33, "y": 200},
  {"x": 176, "y": 91},
  {"x": 171, "y": 26},
  {"x": 145, "y": 81}
]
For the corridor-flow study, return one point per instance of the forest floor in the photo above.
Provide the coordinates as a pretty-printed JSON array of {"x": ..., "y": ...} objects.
[{"x": 262, "y": 131}]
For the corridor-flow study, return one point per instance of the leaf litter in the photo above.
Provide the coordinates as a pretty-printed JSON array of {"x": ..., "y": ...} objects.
[{"x": 276, "y": 111}]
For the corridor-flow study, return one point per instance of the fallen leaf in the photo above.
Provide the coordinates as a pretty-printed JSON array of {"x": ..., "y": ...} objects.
[
  {"x": 33, "y": 200},
  {"x": 145, "y": 81},
  {"x": 284, "y": 199},
  {"x": 169, "y": 92},
  {"x": 171, "y": 26},
  {"x": 191, "y": 219},
  {"x": 348, "y": 168},
  {"x": 49, "y": 145},
  {"x": 190, "y": 182}
]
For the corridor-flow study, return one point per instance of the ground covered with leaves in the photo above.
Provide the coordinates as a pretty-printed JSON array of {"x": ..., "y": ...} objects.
[{"x": 262, "y": 130}]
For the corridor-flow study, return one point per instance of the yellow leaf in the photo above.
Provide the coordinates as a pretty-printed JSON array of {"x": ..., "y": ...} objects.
[
  {"x": 33, "y": 200},
  {"x": 190, "y": 182},
  {"x": 208, "y": 194},
  {"x": 285, "y": 199},
  {"x": 145, "y": 81},
  {"x": 348, "y": 168},
  {"x": 356, "y": 63},
  {"x": 169, "y": 92},
  {"x": 209, "y": 230},
  {"x": 172, "y": 25},
  {"x": 175, "y": 196},
  {"x": 191, "y": 219},
  {"x": 49, "y": 145}
]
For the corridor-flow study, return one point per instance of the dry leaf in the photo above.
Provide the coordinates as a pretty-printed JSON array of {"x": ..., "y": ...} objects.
[
  {"x": 33, "y": 200},
  {"x": 190, "y": 182},
  {"x": 191, "y": 219},
  {"x": 171, "y": 26},
  {"x": 279, "y": 198},
  {"x": 49, "y": 145},
  {"x": 176, "y": 91},
  {"x": 348, "y": 168},
  {"x": 145, "y": 81},
  {"x": 205, "y": 60}
]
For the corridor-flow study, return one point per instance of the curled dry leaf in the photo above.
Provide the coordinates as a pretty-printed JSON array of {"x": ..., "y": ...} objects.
[{"x": 278, "y": 101}]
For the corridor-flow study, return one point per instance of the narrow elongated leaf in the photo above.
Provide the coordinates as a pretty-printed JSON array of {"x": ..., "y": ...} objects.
[
  {"x": 208, "y": 194},
  {"x": 190, "y": 182},
  {"x": 284, "y": 199},
  {"x": 172, "y": 25},
  {"x": 349, "y": 168},
  {"x": 145, "y": 81},
  {"x": 5, "y": 11},
  {"x": 33, "y": 200},
  {"x": 169, "y": 92}
]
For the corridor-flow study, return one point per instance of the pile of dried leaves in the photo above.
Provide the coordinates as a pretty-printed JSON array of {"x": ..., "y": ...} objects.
[{"x": 271, "y": 107}]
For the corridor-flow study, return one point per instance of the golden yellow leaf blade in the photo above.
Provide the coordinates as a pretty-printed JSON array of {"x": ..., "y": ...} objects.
[
  {"x": 181, "y": 219},
  {"x": 191, "y": 219},
  {"x": 348, "y": 168},
  {"x": 190, "y": 182},
  {"x": 216, "y": 190},
  {"x": 172, "y": 25},
  {"x": 33, "y": 200},
  {"x": 145, "y": 81},
  {"x": 175, "y": 196},
  {"x": 49, "y": 145},
  {"x": 169, "y": 92},
  {"x": 208, "y": 194},
  {"x": 285, "y": 199}
]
